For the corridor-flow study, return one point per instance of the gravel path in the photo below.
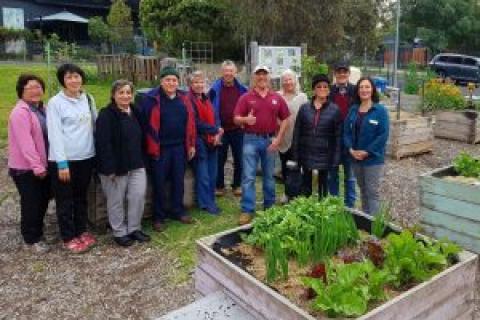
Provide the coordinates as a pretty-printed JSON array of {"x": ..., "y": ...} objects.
[
  {"x": 136, "y": 283},
  {"x": 108, "y": 282}
]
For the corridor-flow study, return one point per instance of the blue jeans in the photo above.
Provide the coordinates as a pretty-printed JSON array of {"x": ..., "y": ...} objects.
[
  {"x": 255, "y": 149},
  {"x": 169, "y": 167},
  {"x": 205, "y": 178},
  {"x": 233, "y": 139},
  {"x": 348, "y": 179}
]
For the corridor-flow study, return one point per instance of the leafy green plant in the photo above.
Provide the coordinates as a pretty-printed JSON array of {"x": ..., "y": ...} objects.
[
  {"x": 381, "y": 221},
  {"x": 409, "y": 259},
  {"x": 466, "y": 165},
  {"x": 306, "y": 229},
  {"x": 412, "y": 79},
  {"x": 349, "y": 288}
]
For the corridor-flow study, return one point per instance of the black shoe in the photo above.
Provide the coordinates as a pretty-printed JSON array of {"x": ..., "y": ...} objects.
[
  {"x": 124, "y": 241},
  {"x": 139, "y": 236}
]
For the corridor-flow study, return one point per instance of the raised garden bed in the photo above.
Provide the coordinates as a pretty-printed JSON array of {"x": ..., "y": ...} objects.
[
  {"x": 450, "y": 207},
  {"x": 458, "y": 125},
  {"x": 410, "y": 135},
  {"x": 447, "y": 295}
]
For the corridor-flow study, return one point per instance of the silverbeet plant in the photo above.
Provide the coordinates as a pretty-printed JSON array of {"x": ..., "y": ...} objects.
[{"x": 305, "y": 229}]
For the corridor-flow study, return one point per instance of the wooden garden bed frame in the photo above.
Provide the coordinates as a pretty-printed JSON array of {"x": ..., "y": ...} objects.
[
  {"x": 448, "y": 295},
  {"x": 450, "y": 209}
]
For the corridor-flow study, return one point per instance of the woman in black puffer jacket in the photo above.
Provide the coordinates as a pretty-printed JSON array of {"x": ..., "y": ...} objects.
[{"x": 316, "y": 138}]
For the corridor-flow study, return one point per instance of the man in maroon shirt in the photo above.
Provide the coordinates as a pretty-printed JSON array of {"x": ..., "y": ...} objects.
[
  {"x": 224, "y": 95},
  {"x": 341, "y": 94},
  {"x": 263, "y": 114}
]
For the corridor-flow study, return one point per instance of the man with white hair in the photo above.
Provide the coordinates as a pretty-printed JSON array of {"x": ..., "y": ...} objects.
[
  {"x": 263, "y": 113},
  {"x": 224, "y": 95}
]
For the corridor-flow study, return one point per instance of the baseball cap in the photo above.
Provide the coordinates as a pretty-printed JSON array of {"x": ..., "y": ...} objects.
[
  {"x": 261, "y": 68},
  {"x": 342, "y": 65}
]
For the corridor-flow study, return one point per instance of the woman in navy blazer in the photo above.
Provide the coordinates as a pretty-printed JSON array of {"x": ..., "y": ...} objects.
[{"x": 365, "y": 135}]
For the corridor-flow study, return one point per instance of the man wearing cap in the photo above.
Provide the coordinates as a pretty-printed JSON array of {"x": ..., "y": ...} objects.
[
  {"x": 224, "y": 95},
  {"x": 342, "y": 94},
  {"x": 263, "y": 113},
  {"x": 169, "y": 127}
]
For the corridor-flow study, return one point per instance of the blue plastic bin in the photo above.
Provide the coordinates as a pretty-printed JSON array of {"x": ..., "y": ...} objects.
[{"x": 381, "y": 83}]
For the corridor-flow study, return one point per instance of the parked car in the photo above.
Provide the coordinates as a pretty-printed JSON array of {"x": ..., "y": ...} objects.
[{"x": 458, "y": 67}]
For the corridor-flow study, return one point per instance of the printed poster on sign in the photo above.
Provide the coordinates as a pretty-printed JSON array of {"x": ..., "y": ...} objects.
[{"x": 278, "y": 59}]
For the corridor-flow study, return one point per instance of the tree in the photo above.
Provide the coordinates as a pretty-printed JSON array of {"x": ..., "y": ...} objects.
[
  {"x": 442, "y": 24},
  {"x": 119, "y": 20},
  {"x": 98, "y": 30},
  {"x": 170, "y": 23}
]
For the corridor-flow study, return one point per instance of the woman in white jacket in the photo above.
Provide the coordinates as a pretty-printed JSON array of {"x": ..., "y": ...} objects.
[{"x": 70, "y": 121}]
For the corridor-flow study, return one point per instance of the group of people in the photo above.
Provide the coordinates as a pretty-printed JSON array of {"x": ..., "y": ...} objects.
[{"x": 59, "y": 145}]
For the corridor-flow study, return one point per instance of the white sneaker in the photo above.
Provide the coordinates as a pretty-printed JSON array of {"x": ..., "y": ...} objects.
[{"x": 38, "y": 247}]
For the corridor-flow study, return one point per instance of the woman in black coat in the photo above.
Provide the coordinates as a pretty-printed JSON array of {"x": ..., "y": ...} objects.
[
  {"x": 120, "y": 164},
  {"x": 316, "y": 137}
]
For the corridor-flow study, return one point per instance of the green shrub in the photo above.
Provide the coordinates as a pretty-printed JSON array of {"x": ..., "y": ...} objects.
[
  {"x": 441, "y": 95},
  {"x": 311, "y": 67},
  {"x": 412, "y": 79}
]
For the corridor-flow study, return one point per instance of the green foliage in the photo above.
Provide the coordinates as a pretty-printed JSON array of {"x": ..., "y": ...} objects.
[
  {"x": 381, "y": 221},
  {"x": 120, "y": 22},
  {"x": 349, "y": 288},
  {"x": 409, "y": 259},
  {"x": 61, "y": 51},
  {"x": 439, "y": 95},
  {"x": 98, "y": 30},
  {"x": 7, "y": 34},
  {"x": 442, "y": 24},
  {"x": 311, "y": 67},
  {"x": 412, "y": 80},
  {"x": 305, "y": 228},
  {"x": 466, "y": 165},
  {"x": 171, "y": 23}
]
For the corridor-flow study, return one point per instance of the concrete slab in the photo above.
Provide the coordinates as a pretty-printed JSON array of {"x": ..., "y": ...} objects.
[{"x": 215, "y": 306}]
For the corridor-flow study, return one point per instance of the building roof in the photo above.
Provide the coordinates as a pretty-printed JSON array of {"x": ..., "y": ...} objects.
[{"x": 62, "y": 16}]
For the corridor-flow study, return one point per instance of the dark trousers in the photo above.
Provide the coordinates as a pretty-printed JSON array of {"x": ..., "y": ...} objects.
[
  {"x": 71, "y": 198},
  {"x": 284, "y": 157},
  {"x": 34, "y": 196},
  {"x": 322, "y": 183},
  {"x": 169, "y": 167},
  {"x": 233, "y": 139}
]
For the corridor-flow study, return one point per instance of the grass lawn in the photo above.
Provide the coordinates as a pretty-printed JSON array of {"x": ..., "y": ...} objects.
[{"x": 8, "y": 78}]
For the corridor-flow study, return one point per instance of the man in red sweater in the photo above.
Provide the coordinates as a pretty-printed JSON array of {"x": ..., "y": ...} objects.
[
  {"x": 341, "y": 94},
  {"x": 224, "y": 95}
]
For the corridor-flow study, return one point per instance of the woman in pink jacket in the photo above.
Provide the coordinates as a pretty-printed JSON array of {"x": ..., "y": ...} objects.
[{"x": 27, "y": 158}]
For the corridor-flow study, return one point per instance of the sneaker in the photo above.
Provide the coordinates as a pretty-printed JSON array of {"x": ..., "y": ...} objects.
[
  {"x": 75, "y": 246},
  {"x": 88, "y": 239},
  {"x": 220, "y": 192},
  {"x": 38, "y": 247},
  {"x": 237, "y": 192},
  {"x": 245, "y": 218}
]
